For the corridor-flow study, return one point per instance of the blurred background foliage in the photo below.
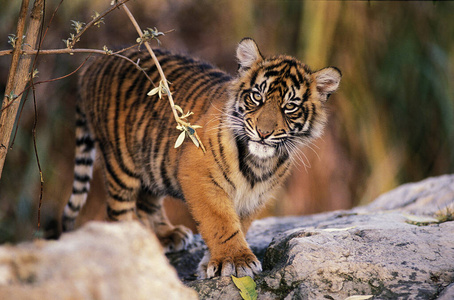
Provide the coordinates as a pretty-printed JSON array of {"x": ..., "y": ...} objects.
[{"x": 391, "y": 122}]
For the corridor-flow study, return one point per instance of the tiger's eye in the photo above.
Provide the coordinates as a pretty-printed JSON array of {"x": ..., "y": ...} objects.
[
  {"x": 290, "y": 107},
  {"x": 256, "y": 97}
]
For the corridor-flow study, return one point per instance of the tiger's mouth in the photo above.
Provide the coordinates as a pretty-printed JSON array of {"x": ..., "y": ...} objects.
[{"x": 261, "y": 149}]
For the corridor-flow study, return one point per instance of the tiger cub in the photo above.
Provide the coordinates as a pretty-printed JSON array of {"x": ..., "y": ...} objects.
[{"x": 253, "y": 124}]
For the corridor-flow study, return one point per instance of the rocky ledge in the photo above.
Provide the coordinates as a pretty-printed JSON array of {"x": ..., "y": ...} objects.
[{"x": 401, "y": 246}]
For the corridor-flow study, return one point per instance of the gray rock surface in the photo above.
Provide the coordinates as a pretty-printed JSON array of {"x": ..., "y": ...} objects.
[
  {"x": 99, "y": 261},
  {"x": 383, "y": 249},
  {"x": 372, "y": 250},
  {"x": 428, "y": 197}
]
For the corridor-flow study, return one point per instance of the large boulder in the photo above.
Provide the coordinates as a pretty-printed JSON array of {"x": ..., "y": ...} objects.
[
  {"x": 389, "y": 249},
  {"x": 99, "y": 261}
]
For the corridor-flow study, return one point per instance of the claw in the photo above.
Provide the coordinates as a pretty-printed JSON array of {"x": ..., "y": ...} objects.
[
  {"x": 243, "y": 265},
  {"x": 211, "y": 270},
  {"x": 244, "y": 271},
  {"x": 256, "y": 267},
  {"x": 228, "y": 268},
  {"x": 177, "y": 239}
]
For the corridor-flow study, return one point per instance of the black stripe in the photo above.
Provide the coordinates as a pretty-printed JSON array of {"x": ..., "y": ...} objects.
[
  {"x": 272, "y": 73},
  {"x": 306, "y": 95},
  {"x": 294, "y": 81},
  {"x": 119, "y": 198},
  {"x": 274, "y": 66},
  {"x": 132, "y": 124},
  {"x": 209, "y": 85},
  {"x": 79, "y": 111},
  {"x": 194, "y": 83},
  {"x": 111, "y": 172},
  {"x": 148, "y": 207},
  {"x": 86, "y": 161},
  {"x": 252, "y": 80},
  {"x": 82, "y": 178},
  {"x": 146, "y": 149},
  {"x": 119, "y": 110},
  {"x": 72, "y": 207},
  {"x": 81, "y": 123},
  {"x": 83, "y": 140},
  {"x": 242, "y": 154},
  {"x": 230, "y": 237},
  {"x": 219, "y": 165},
  {"x": 75, "y": 191},
  {"x": 183, "y": 64},
  {"x": 215, "y": 182},
  {"x": 165, "y": 178},
  {"x": 247, "y": 171},
  {"x": 174, "y": 191},
  {"x": 115, "y": 213}
]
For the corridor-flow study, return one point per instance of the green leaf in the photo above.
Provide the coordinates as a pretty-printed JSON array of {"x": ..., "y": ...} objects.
[
  {"x": 194, "y": 140},
  {"x": 177, "y": 107},
  {"x": 247, "y": 287},
  {"x": 180, "y": 139},
  {"x": 419, "y": 220},
  {"x": 12, "y": 39},
  {"x": 35, "y": 73},
  {"x": 153, "y": 91},
  {"x": 11, "y": 96}
]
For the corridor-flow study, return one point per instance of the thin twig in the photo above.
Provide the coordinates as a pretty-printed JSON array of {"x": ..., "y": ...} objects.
[
  {"x": 67, "y": 51},
  {"x": 94, "y": 20},
  {"x": 161, "y": 73},
  {"x": 35, "y": 147},
  {"x": 35, "y": 119},
  {"x": 50, "y": 22}
]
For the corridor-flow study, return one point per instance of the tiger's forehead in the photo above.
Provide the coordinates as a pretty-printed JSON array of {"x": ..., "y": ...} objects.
[{"x": 281, "y": 72}]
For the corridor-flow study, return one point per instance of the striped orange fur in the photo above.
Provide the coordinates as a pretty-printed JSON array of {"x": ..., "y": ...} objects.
[{"x": 252, "y": 126}]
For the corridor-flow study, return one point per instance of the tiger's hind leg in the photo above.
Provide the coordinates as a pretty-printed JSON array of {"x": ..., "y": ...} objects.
[
  {"x": 150, "y": 211},
  {"x": 122, "y": 191}
]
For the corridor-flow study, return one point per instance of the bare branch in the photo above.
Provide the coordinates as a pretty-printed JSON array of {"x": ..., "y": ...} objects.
[
  {"x": 163, "y": 78},
  {"x": 69, "y": 51}
]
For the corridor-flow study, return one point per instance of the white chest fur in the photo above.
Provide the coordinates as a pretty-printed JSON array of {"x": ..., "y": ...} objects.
[{"x": 246, "y": 199}]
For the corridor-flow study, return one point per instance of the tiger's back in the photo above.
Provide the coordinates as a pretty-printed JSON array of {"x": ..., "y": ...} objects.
[
  {"x": 143, "y": 127},
  {"x": 252, "y": 125}
]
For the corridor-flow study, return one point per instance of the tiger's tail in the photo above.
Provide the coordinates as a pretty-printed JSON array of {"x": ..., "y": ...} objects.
[{"x": 83, "y": 171}]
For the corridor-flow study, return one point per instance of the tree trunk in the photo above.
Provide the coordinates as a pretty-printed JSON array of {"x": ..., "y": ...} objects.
[{"x": 19, "y": 73}]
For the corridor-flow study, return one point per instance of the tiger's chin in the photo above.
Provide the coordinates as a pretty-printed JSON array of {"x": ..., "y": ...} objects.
[{"x": 261, "y": 150}]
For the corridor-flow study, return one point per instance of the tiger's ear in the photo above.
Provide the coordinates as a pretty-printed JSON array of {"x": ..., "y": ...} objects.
[
  {"x": 247, "y": 54},
  {"x": 327, "y": 80}
]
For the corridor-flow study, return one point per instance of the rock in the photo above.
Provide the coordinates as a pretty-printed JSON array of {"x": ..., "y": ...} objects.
[
  {"x": 99, "y": 261},
  {"x": 374, "y": 250},
  {"x": 428, "y": 197},
  {"x": 392, "y": 248},
  {"x": 447, "y": 293}
]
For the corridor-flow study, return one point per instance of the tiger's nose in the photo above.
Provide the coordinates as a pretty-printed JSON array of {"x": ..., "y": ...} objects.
[{"x": 263, "y": 134}]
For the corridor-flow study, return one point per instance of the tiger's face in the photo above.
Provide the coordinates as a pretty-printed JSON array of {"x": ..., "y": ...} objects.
[{"x": 278, "y": 103}]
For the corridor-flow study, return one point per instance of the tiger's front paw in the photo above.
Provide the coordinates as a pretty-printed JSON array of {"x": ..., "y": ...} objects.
[
  {"x": 243, "y": 264},
  {"x": 176, "y": 239}
]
